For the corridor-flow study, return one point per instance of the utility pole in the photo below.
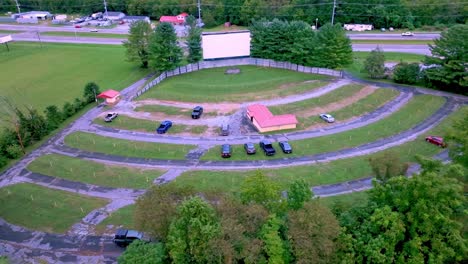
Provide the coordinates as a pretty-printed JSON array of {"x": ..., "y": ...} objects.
[
  {"x": 105, "y": 8},
  {"x": 18, "y": 6},
  {"x": 333, "y": 14},
  {"x": 199, "y": 11},
  {"x": 39, "y": 37}
]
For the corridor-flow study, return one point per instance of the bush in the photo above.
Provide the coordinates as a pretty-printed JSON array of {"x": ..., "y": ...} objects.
[
  {"x": 78, "y": 104},
  {"x": 90, "y": 91},
  {"x": 3, "y": 162},
  {"x": 408, "y": 73},
  {"x": 14, "y": 151},
  {"x": 68, "y": 110}
]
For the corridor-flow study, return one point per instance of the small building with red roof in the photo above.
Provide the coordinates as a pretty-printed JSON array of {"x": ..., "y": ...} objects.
[
  {"x": 175, "y": 20},
  {"x": 265, "y": 121},
  {"x": 111, "y": 96}
]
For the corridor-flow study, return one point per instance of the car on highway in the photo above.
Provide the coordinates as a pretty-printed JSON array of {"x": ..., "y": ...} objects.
[
  {"x": 285, "y": 147},
  {"x": 407, "y": 34},
  {"x": 328, "y": 118},
  {"x": 94, "y": 30},
  {"x": 124, "y": 237},
  {"x": 197, "y": 112},
  {"x": 110, "y": 116},
  {"x": 77, "y": 26},
  {"x": 438, "y": 141},
  {"x": 249, "y": 148},
  {"x": 267, "y": 147},
  {"x": 164, "y": 126},
  {"x": 226, "y": 151}
]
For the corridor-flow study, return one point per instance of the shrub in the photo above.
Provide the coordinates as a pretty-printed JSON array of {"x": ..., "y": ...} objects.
[
  {"x": 406, "y": 73},
  {"x": 68, "y": 110},
  {"x": 14, "y": 151}
]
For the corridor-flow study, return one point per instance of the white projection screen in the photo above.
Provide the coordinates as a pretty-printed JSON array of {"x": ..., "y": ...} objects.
[{"x": 226, "y": 44}]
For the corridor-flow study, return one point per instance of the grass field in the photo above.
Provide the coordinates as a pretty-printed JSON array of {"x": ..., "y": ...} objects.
[
  {"x": 86, "y": 171},
  {"x": 2, "y": 31},
  {"x": 349, "y": 199},
  {"x": 57, "y": 73},
  {"x": 222, "y": 28},
  {"x": 416, "y": 111},
  {"x": 44, "y": 209},
  {"x": 170, "y": 110},
  {"x": 128, "y": 123},
  {"x": 127, "y": 148},
  {"x": 85, "y": 34},
  {"x": 253, "y": 83},
  {"x": 122, "y": 217},
  {"x": 318, "y": 174}
]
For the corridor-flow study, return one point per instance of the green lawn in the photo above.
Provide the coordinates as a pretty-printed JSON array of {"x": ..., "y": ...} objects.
[
  {"x": 127, "y": 148},
  {"x": 2, "y": 31},
  {"x": 128, "y": 123},
  {"x": 222, "y": 28},
  {"x": 86, "y": 171},
  {"x": 318, "y": 174},
  {"x": 328, "y": 98},
  {"x": 57, "y": 73},
  {"x": 416, "y": 111},
  {"x": 253, "y": 83},
  {"x": 359, "y": 57},
  {"x": 122, "y": 217},
  {"x": 349, "y": 199},
  {"x": 44, "y": 209},
  {"x": 85, "y": 34},
  {"x": 169, "y": 110},
  {"x": 392, "y": 41}
]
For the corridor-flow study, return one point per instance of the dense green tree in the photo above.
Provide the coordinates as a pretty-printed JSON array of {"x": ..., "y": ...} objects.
[
  {"x": 406, "y": 73},
  {"x": 448, "y": 63},
  {"x": 458, "y": 140},
  {"x": 374, "y": 64},
  {"x": 333, "y": 48},
  {"x": 144, "y": 253},
  {"x": 258, "y": 189},
  {"x": 298, "y": 194},
  {"x": 273, "y": 243},
  {"x": 387, "y": 165},
  {"x": 165, "y": 54},
  {"x": 192, "y": 232},
  {"x": 68, "y": 110},
  {"x": 54, "y": 117},
  {"x": 194, "y": 41},
  {"x": 156, "y": 209},
  {"x": 33, "y": 123},
  {"x": 137, "y": 44},
  {"x": 312, "y": 231},
  {"x": 91, "y": 90}
]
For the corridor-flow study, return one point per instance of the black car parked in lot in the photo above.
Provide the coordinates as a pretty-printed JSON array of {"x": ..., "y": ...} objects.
[
  {"x": 250, "y": 148},
  {"x": 284, "y": 145},
  {"x": 123, "y": 237},
  {"x": 165, "y": 125},
  {"x": 226, "y": 151},
  {"x": 267, "y": 147},
  {"x": 197, "y": 112}
]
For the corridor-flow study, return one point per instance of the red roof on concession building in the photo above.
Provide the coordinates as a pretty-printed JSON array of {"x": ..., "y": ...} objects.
[
  {"x": 266, "y": 119},
  {"x": 174, "y": 19},
  {"x": 108, "y": 94}
]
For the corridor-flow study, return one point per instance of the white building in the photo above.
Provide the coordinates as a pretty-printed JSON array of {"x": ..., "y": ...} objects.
[
  {"x": 114, "y": 16},
  {"x": 358, "y": 27},
  {"x": 43, "y": 15},
  {"x": 131, "y": 19}
]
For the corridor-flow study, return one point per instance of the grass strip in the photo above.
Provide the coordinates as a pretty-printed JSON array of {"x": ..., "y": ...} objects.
[
  {"x": 170, "y": 110},
  {"x": 320, "y": 173},
  {"x": 114, "y": 146},
  {"x": 350, "y": 199},
  {"x": 2, "y": 31},
  {"x": 120, "y": 218},
  {"x": 86, "y": 171},
  {"x": 413, "y": 113},
  {"x": 393, "y": 41},
  {"x": 44, "y": 209},
  {"x": 129, "y": 123},
  {"x": 252, "y": 83},
  {"x": 328, "y": 98},
  {"x": 84, "y": 34}
]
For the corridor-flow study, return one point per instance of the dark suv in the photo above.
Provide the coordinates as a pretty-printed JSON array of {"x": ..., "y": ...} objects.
[
  {"x": 197, "y": 112},
  {"x": 267, "y": 147},
  {"x": 164, "y": 126},
  {"x": 226, "y": 151},
  {"x": 123, "y": 237}
]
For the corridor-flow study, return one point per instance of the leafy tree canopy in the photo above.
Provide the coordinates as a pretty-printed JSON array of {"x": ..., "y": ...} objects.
[{"x": 137, "y": 44}]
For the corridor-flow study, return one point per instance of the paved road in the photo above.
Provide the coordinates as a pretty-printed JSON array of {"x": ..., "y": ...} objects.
[
  {"x": 416, "y": 49},
  {"x": 392, "y": 36}
]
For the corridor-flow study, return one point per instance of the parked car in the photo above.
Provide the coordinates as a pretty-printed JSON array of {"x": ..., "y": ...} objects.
[
  {"x": 77, "y": 26},
  {"x": 250, "y": 148},
  {"x": 94, "y": 30},
  {"x": 226, "y": 151},
  {"x": 284, "y": 145},
  {"x": 110, "y": 116},
  {"x": 197, "y": 112},
  {"x": 121, "y": 22},
  {"x": 267, "y": 147},
  {"x": 328, "y": 118},
  {"x": 224, "y": 130},
  {"x": 407, "y": 34},
  {"x": 438, "y": 141},
  {"x": 123, "y": 237},
  {"x": 164, "y": 126}
]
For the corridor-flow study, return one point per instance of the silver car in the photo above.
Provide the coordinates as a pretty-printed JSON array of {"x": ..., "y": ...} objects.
[{"x": 327, "y": 117}]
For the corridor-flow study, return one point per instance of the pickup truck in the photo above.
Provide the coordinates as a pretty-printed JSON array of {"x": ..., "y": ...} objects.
[
  {"x": 197, "y": 112},
  {"x": 110, "y": 116},
  {"x": 267, "y": 147},
  {"x": 123, "y": 237}
]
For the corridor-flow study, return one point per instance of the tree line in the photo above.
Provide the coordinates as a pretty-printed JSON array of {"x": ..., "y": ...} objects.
[
  {"x": 24, "y": 126},
  {"x": 405, "y": 220},
  {"x": 380, "y": 13}
]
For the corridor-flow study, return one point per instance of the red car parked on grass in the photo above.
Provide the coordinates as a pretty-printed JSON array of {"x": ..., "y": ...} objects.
[{"x": 438, "y": 141}]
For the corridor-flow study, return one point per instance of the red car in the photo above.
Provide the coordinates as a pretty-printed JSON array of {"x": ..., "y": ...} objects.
[
  {"x": 77, "y": 26},
  {"x": 438, "y": 141}
]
